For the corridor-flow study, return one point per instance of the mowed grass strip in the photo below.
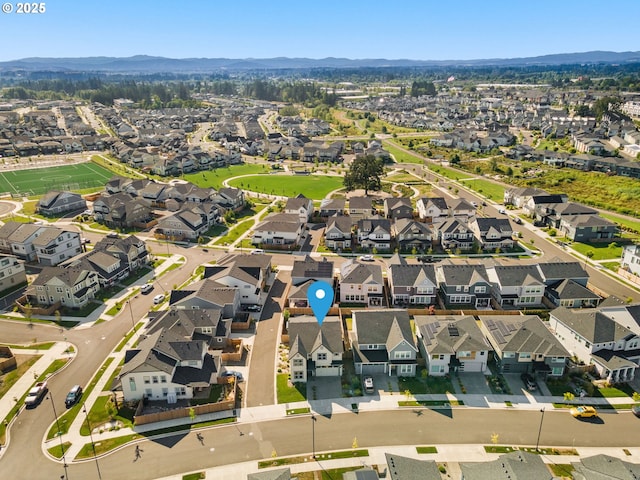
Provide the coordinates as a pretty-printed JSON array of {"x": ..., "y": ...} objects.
[
  {"x": 312, "y": 186},
  {"x": 214, "y": 178},
  {"x": 42, "y": 180}
]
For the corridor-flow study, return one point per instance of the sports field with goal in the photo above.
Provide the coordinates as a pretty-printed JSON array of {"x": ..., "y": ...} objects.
[{"x": 37, "y": 181}]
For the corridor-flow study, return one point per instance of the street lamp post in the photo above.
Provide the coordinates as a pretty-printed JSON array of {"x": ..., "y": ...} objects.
[
  {"x": 540, "y": 429},
  {"x": 313, "y": 436},
  {"x": 64, "y": 460},
  {"x": 93, "y": 445},
  {"x": 133, "y": 323}
]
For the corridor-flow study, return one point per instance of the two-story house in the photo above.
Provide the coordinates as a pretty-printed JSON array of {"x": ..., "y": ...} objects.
[
  {"x": 72, "y": 287},
  {"x": 374, "y": 233},
  {"x": 186, "y": 224},
  {"x": 207, "y": 294},
  {"x": 411, "y": 284},
  {"x": 361, "y": 283},
  {"x": 279, "y": 229},
  {"x": 54, "y": 245},
  {"x": 338, "y": 232},
  {"x": 382, "y": 343},
  {"x": 12, "y": 272},
  {"x": 455, "y": 235},
  {"x": 332, "y": 206},
  {"x": 463, "y": 285},
  {"x": 524, "y": 344},
  {"x": 587, "y": 228},
  {"x": 398, "y": 207},
  {"x": 492, "y": 233},
  {"x": 631, "y": 259},
  {"x": 432, "y": 210},
  {"x": 410, "y": 235},
  {"x": 315, "y": 350},
  {"x": 54, "y": 203},
  {"x": 308, "y": 268},
  {"x": 301, "y": 206},
  {"x": 361, "y": 207},
  {"x": 451, "y": 344},
  {"x": 248, "y": 273},
  {"x": 516, "y": 285},
  {"x": 597, "y": 339}
]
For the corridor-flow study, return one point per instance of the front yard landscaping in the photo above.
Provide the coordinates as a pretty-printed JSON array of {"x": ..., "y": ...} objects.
[{"x": 289, "y": 393}]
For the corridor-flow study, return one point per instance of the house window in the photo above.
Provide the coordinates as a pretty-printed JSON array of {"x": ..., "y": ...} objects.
[
  {"x": 132, "y": 384},
  {"x": 163, "y": 379},
  {"x": 298, "y": 375},
  {"x": 509, "y": 355},
  {"x": 557, "y": 371},
  {"x": 181, "y": 391},
  {"x": 406, "y": 368},
  {"x": 464, "y": 354},
  {"x": 148, "y": 392},
  {"x": 297, "y": 362},
  {"x": 525, "y": 356},
  {"x": 401, "y": 355},
  {"x": 155, "y": 379},
  {"x": 480, "y": 289},
  {"x": 437, "y": 368},
  {"x": 322, "y": 356},
  {"x": 146, "y": 380},
  {"x": 165, "y": 392}
]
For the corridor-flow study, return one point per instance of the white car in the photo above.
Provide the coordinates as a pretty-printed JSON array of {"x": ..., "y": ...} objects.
[
  {"x": 366, "y": 258},
  {"x": 158, "y": 299},
  {"x": 502, "y": 210},
  {"x": 146, "y": 288}
]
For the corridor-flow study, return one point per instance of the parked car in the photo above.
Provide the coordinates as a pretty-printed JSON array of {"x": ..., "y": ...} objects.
[
  {"x": 517, "y": 221},
  {"x": 425, "y": 258},
  {"x": 36, "y": 394},
  {"x": 112, "y": 235},
  {"x": 158, "y": 299},
  {"x": 253, "y": 308},
  {"x": 529, "y": 382},
  {"x": 366, "y": 258},
  {"x": 368, "y": 384},
  {"x": 73, "y": 396},
  {"x": 257, "y": 251},
  {"x": 233, "y": 373},
  {"x": 636, "y": 410},
  {"x": 502, "y": 210},
  {"x": 475, "y": 204},
  {"x": 146, "y": 288},
  {"x": 583, "y": 412}
]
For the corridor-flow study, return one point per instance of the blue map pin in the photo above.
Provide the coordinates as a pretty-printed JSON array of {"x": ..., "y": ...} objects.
[{"x": 320, "y": 298}]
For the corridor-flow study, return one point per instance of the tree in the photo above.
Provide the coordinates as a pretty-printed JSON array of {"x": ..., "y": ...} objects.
[{"x": 364, "y": 172}]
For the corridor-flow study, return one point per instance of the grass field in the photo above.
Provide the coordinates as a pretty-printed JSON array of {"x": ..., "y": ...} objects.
[
  {"x": 401, "y": 156},
  {"x": 312, "y": 186},
  {"x": 491, "y": 190},
  {"x": 449, "y": 172},
  {"x": 214, "y": 178},
  {"x": 42, "y": 180}
]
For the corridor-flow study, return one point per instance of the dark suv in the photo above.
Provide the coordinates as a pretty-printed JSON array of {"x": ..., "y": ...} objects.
[
  {"x": 529, "y": 382},
  {"x": 73, "y": 396}
]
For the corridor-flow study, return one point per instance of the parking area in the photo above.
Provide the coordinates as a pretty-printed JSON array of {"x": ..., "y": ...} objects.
[
  {"x": 322, "y": 388},
  {"x": 474, "y": 383}
]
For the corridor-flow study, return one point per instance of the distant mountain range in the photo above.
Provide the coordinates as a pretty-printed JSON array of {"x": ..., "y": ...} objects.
[{"x": 149, "y": 64}]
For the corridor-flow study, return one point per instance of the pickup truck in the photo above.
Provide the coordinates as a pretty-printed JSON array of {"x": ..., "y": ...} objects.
[{"x": 36, "y": 394}]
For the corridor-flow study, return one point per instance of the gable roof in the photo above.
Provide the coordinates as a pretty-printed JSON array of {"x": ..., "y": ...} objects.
[
  {"x": 404, "y": 468},
  {"x": 462, "y": 274},
  {"x": 450, "y": 334},
  {"x": 389, "y": 327},
  {"x": 359, "y": 273},
  {"x": 514, "y": 275},
  {"x": 310, "y": 268},
  {"x": 412, "y": 275},
  {"x": 522, "y": 333},
  {"x": 592, "y": 325},
  {"x": 306, "y": 335},
  {"x": 511, "y": 466}
]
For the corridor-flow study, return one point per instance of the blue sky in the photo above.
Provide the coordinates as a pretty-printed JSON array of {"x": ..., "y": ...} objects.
[{"x": 412, "y": 29}]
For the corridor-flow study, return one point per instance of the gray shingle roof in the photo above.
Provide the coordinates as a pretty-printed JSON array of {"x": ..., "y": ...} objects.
[
  {"x": 404, "y": 468},
  {"x": 522, "y": 333},
  {"x": 450, "y": 334},
  {"x": 306, "y": 335},
  {"x": 379, "y": 326},
  {"x": 592, "y": 325},
  {"x": 511, "y": 466},
  {"x": 412, "y": 275}
]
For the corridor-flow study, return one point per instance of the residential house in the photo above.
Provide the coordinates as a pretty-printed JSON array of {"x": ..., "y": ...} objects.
[
  {"x": 411, "y": 235},
  {"x": 186, "y": 224},
  {"x": 523, "y": 343},
  {"x": 451, "y": 344},
  {"x": 571, "y": 294},
  {"x": 361, "y": 207},
  {"x": 121, "y": 210},
  {"x": 398, "y": 207},
  {"x": 455, "y": 235},
  {"x": 207, "y": 294},
  {"x": 518, "y": 286},
  {"x": 6, "y": 231},
  {"x": 315, "y": 350},
  {"x": 556, "y": 270},
  {"x": 230, "y": 198},
  {"x": 332, "y": 206},
  {"x": 278, "y": 474},
  {"x": 197, "y": 323},
  {"x": 337, "y": 234},
  {"x": 461, "y": 209},
  {"x": 21, "y": 239},
  {"x": 382, "y": 343},
  {"x": 54, "y": 245},
  {"x": 361, "y": 283},
  {"x": 519, "y": 196},
  {"x": 411, "y": 284},
  {"x": 588, "y": 228},
  {"x": 405, "y": 468},
  {"x": 131, "y": 251},
  {"x": 72, "y": 287},
  {"x": 55, "y": 203},
  {"x": 110, "y": 268},
  {"x": 518, "y": 465},
  {"x": 630, "y": 259},
  {"x": 12, "y": 272},
  {"x": 463, "y": 285},
  {"x": 374, "y": 233},
  {"x": 537, "y": 203},
  {"x": 309, "y": 269},
  {"x": 432, "y": 210},
  {"x": 595, "y": 338},
  {"x": 301, "y": 206},
  {"x": 167, "y": 366},
  {"x": 248, "y": 273},
  {"x": 279, "y": 229},
  {"x": 599, "y": 467},
  {"x": 492, "y": 233}
]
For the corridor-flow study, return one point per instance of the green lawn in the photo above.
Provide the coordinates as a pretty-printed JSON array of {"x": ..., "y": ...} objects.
[
  {"x": 214, "y": 178},
  {"x": 235, "y": 233},
  {"x": 66, "y": 177},
  {"x": 401, "y": 156},
  {"x": 449, "y": 172},
  {"x": 312, "y": 186},
  {"x": 487, "y": 188},
  {"x": 403, "y": 178},
  {"x": 625, "y": 222},
  {"x": 418, "y": 385},
  {"x": 601, "y": 251},
  {"x": 288, "y": 394}
]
